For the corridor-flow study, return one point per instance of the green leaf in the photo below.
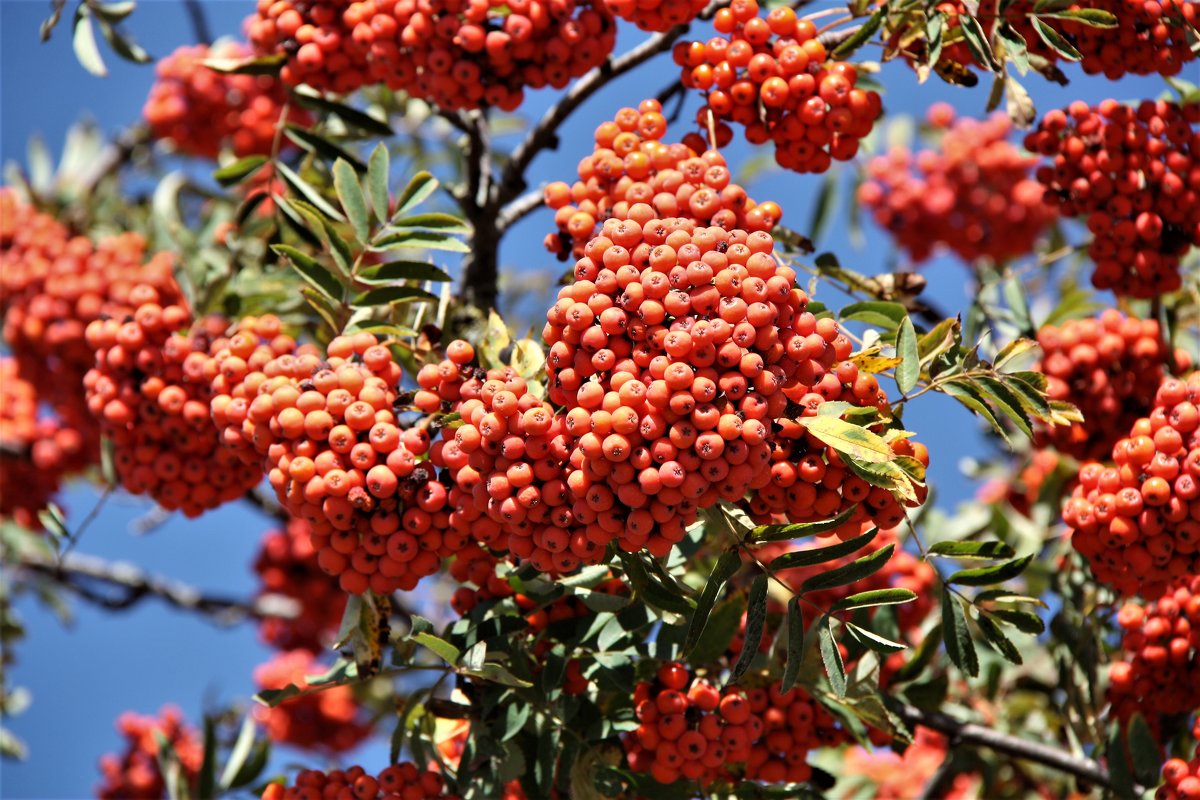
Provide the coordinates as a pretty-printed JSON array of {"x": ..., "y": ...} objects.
[
  {"x": 959, "y": 646},
  {"x": 854, "y": 571},
  {"x": 935, "y": 27},
  {"x": 239, "y": 754},
  {"x": 1144, "y": 751},
  {"x": 206, "y": 780},
  {"x": 170, "y": 767},
  {"x": 1018, "y": 103},
  {"x": 307, "y": 191},
  {"x": 350, "y": 194},
  {"x": 921, "y": 658},
  {"x": 351, "y": 116},
  {"x": 795, "y": 645},
  {"x": 418, "y": 190},
  {"x": 1118, "y": 765},
  {"x": 723, "y": 624},
  {"x": 1055, "y": 41},
  {"x": 122, "y": 45},
  {"x": 652, "y": 590},
  {"x": 323, "y": 147},
  {"x": 1009, "y": 403},
  {"x": 1002, "y": 644},
  {"x": 965, "y": 392},
  {"x": 312, "y": 271},
  {"x": 756, "y": 616},
  {"x": 84, "y": 42},
  {"x": 983, "y": 550},
  {"x": 448, "y": 652},
  {"x": 378, "y": 173},
  {"x": 875, "y": 597},
  {"x": 876, "y": 313},
  {"x": 1024, "y": 621},
  {"x": 725, "y": 568},
  {"x": 987, "y": 576},
  {"x": 821, "y": 555},
  {"x": 799, "y": 530},
  {"x": 1092, "y": 17},
  {"x": 1018, "y": 304},
  {"x": 433, "y": 221},
  {"x": 239, "y": 170},
  {"x": 831, "y": 656},
  {"x": 256, "y": 65},
  {"x": 822, "y": 206},
  {"x": 909, "y": 369},
  {"x": 1015, "y": 48},
  {"x": 846, "y": 437},
  {"x": 977, "y": 42},
  {"x": 861, "y": 36},
  {"x": 387, "y": 295},
  {"x": 873, "y": 641},
  {"x": 497, "y": 673},
  {"x": 329, "y": 236},
  {"x": 421, "y": 240}
]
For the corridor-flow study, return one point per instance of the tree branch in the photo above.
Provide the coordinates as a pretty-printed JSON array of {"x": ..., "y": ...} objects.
[
  {"x": 118, "y": 586},
  {"x": 968, "y": 733},
  {"x": 518, "y": 209},
  {"x": 199, "y": 20}
]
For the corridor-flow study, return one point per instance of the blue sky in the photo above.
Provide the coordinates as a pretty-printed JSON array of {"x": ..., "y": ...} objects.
[{"x": 82, "y": 676}]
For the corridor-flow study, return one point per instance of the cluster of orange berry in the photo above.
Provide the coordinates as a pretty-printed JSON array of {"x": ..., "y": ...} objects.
[
  {"x": 656, "y": 15},
  {"x": 287, "y": 566},
  {"x": 1159, "y": 676},
  {"x": 1181, "y": 779},
  {"x": 404, "y": 780},
  {"x": 1109, "y": 368},
  {"x": 1134, "y": 174},
  {"x": 134, "y": 774},
  {"x": 688, "y": 728},
  {"x": 631, "y": 165},
  {"x": 771, "y": 76},
  {"x": 323, "y": 721},
  {"x": 1150, "y": 37},
  {"x": 973, "y": 195},
  {"x": 149, "y": 393},
  {"x": 52, "y": 285},
  {"x": 1138, "y": 521},
  {"x": 35, "y": 451},
  {"x": 454, "y": 54},
  {"x": 1023, "y": 492},
  {"x": 200, "y": 110}
]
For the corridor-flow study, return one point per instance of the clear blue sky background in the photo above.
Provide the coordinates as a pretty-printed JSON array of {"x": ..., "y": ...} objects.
[{"x": 82, "y": 676}]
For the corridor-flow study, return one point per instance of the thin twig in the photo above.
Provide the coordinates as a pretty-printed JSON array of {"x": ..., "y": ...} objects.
[
  {"x": 74, "y": 538},
  {"x": 119, "y": 586}
]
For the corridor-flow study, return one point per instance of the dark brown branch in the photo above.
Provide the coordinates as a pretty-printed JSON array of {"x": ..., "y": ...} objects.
[
  {"x": 119, "y": 586},
  {"x": 967, "y": 733},
  {"x": 518, "y": 209},
  {"x": 482, "y": 267}
]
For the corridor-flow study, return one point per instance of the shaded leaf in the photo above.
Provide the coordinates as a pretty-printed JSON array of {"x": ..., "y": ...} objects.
[
  {"x": 448, "y": 652},
  {"x": 756, "y": 616},
  {"x": 831, "y": 656},
  {"x": 323, "y": 147},
  {"x": 238, "y": 170},
  {"x": 1024, "y": 621},
  {"x": 423, "y": 240},
  {"x": 433, "y": 221},
  {"x": 1002, "y": 644},
  {"x": 909, "y": 369},
  {"x": 725, "y": 568},
  {"x": 307, "y": 191},
  {"x": 854, "y": 571},
  {"x": 959, "y": 646},
  {"x": 821, "y": 555},
  {"x": 985, "y": 550},
  {"x": 875, "y": 597},
  {"x": 418, "y": 190},
  {"x": 977, "y": 42},
  {"x": 873, "y": 641},
  {"x": 921, "y": 658},
  {"x": 1055, "y": 41},
  {"x": 799, "y": 530},
  {"x": 723, "y": 624},
  {"x": 351, "y": 116},
  {"x": 312, "y": 271},
  {"x": 987, "y": 576},
  {"x": 795, "y": 645},
  {"x": 861, "y": 36},
  {"x": 386, "y": 295}
]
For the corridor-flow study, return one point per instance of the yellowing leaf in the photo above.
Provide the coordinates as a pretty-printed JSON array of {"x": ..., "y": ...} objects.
[{"x": 850, "y": 439}]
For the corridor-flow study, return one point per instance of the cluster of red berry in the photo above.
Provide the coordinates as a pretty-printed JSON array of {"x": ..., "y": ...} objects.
[
  {"x": 323, "y": 720},
  {"x": 35, "y": 451},
  {"x": 1023, "y": 492},
  {"x": 1159, "y": 676},
  {"x": 688, "y": 728},
  {"x": 632, "y": 165},
  {"x": 1138, "y": 521},
  {"x": 287, "y": 566},
  {"x": 200, "y": 110},
  {"x": 1149, "y": 37},
  {"x": 656, "y": 15},
  {"x": 1181, "y": 779},
  {"x": 1132, "y": 173},
  {"x": 973, "y": 195},
  {"x": 454, "y": 54},
  {"x": 895, "y": 776},
  {"x": 149, "y": 393},
  {"x": 404, "y": 780},
  {"x": 772, "y": 77},
  {"x": 134, "y": 774},
  {"x": 1109, "y": 368}
]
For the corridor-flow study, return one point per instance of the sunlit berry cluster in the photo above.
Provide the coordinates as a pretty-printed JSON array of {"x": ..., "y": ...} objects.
[
  {"x": 889, "y": 775},
  {"x": 201, "y": 110},
  {"x": 456, "y": 55},
  {"x": 36, "y": 451},
  {"x": 404, "y": 780},
  {"x": 1149, "y": 37},
  {"x": 1138, "y": 521},
  {"x": 690, "y": 729},
  {"x": 771, "y": 76},
  {"x": 287, "y": 566},
  {"x": 631, "y": 165},
  {"x": 972, "y": 195},
  {"x": 149, "y": 393},
  {"x": 52, "y": 285},
  {"x": 1132, "y": 174},
  {"x": 324, "y": 720},
  {"x": 1159, "y": 674},
  {"x": 1109, "y": 368},
  {"x": 1181, "y": 779},
  {"x": 134, "y": 774},
  {"x": 338, "y": 459},
  {"x": 656, "y": 15}
]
